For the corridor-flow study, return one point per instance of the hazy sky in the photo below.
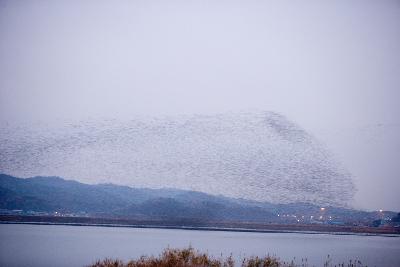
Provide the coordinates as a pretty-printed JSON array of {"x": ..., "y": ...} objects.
[{"x": 331, "y": 66}]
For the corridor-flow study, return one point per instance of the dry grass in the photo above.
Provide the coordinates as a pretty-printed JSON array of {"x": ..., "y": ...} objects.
[
  {"x": 186, "y": 258},
  {"x": 191, "y": 258}
]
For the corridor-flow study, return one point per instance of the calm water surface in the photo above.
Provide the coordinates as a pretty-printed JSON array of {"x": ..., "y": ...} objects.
[{"x": 56, "y": 245}]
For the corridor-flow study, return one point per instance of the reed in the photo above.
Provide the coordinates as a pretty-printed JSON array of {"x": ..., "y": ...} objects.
[{"x": 190, "y": 257}]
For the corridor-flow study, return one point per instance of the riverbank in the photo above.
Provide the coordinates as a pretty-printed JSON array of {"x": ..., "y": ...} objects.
[{"x": 202, "y": 226}]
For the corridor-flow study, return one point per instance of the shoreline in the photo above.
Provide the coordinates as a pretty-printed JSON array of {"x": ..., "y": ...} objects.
[{"x": 202, "y": 228}]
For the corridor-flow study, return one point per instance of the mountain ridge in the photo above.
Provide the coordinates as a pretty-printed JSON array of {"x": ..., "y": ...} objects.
[{"x": 54, "y": 194}]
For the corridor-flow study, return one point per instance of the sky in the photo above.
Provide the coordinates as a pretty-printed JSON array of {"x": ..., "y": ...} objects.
[{"x": 333, "y": 67}]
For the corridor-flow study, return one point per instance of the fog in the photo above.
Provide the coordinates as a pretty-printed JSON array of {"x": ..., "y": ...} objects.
[{"x": 332, "y": 67}]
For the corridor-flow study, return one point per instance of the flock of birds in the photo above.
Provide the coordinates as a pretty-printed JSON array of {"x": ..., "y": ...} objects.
[{"x": 253, "y": 155}]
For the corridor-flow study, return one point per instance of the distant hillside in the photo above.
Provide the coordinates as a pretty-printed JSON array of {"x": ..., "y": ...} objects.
[
  {"x": 54, "y": 194},
  {"x": 254, "y": 155},
  {"x": 51, "y": 194}
]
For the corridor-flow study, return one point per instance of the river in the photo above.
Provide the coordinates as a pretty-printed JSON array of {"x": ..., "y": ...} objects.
[{"x": 60, "y": 245}]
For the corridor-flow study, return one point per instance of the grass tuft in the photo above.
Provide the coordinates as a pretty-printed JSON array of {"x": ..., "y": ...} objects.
[{"x": 189, "y": 257}]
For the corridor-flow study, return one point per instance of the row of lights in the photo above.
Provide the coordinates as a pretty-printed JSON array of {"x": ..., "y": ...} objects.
[{"x": 311, "y": 217}]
